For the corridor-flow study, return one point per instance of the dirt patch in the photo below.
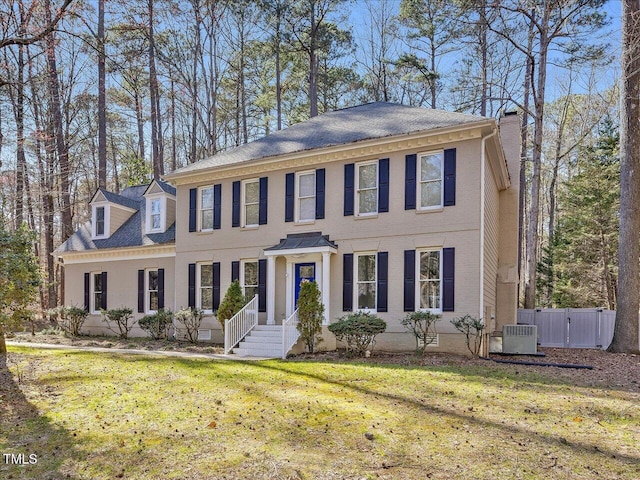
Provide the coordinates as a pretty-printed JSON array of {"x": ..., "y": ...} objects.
[{"x": 611, "y": 370}]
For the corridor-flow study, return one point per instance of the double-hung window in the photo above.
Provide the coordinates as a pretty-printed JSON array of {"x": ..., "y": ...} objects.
[
  {"x": 430, "y": 180},
  {"x": 429, "y": 279},
  {"x": 251, "y": 202},
  {"x": 306, "y": 196},
  {"x": 156, "y": 216},
  {"x": 205, "y": 287},
  {"x": 367, "y": 188},
  {"x": 249, "y": 278},
  {"x": 99, "y": 221},
  {"x": 206, "y": 208},
  {"x": 98, "y": 292},
  {"x": 366, "y": 281},
  {"x": 152, "y": 291}
]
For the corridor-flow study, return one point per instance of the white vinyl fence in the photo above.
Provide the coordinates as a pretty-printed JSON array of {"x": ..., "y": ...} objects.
[{"x": 571, "y": 327}]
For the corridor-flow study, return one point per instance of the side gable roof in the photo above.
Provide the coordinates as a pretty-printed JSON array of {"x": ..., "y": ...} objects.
[
  {"x": 111, "y": 197},
  {"x": 349, "y": 125}
]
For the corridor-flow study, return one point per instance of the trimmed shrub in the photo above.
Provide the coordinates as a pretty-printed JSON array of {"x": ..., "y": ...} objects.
[
  {"x": 158, "y": 324},
  {"x": 423, "y": 327},
  {"x": 358, "y": 330},
  {"x": 472, "y": 328},
  {"x": 231, "y": 304},
  {"x": 122, "y": 318},
  {"x": 69, "y": 318},
  {"x": 310, "y": 314},
  {"x": 191, "y": 319}
]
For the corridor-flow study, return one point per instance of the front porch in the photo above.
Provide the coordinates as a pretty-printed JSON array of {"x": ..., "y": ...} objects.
[{"x": 306, "y": 256}]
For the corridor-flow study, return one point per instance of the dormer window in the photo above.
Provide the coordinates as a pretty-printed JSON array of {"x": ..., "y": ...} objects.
[
  {"x": 100, "y": 223},
  {"x": 156, "y": 216}
]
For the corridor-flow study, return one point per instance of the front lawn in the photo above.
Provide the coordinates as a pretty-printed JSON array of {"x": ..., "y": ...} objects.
[{"x": 105, "y": 416}]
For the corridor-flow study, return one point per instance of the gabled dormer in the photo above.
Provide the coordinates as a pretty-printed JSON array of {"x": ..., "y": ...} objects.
[
  {"x": 109, "y": 211},
  {"x": 160, "y": 207}
]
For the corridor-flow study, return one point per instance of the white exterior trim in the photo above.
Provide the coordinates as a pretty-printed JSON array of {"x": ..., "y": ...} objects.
[
  {"x": 107, "y": 220},
  {"x": 243, "y": 203},
  {"x": 419, "y": 206},
  {"x": 356, "y": 189},
  {"x": 356, "y": 256},
  {"x": 116, "y": 254},
  {"x": 483, "y": 160},
  {"x": 163, "y": 213},
  {"x": 296, "y": 196},
  {"x": 436, "y": 311}
]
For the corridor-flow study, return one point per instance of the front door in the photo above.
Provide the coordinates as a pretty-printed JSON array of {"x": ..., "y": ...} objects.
[{"x": 303, "y": 271}]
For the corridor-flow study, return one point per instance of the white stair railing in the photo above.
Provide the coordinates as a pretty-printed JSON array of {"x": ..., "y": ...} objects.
[
  {"x": 290, "y": 333},
  {"x": 237, "y": 327}
]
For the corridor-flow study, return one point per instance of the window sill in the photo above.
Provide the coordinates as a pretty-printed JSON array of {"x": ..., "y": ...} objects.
[
  {"x": 305, "y": 222},
  {"x": 249, "y": 227},
  {"x": 430, "y": 210},
  {"x": 204, "y": 232},
  {"x": 366, "y": 216}
]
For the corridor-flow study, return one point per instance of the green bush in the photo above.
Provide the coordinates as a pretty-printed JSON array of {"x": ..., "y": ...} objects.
[
  {"x": 158, "y": 324},
  {"x": 472, "y": 328},
  {"x": 423, "y": 326},
  {"x": 122, "y": 318},
  {"x": 310, "y": 314},
  {"x": 69, "y": 318},
  {"x": 358, "y": 330},
  {"x": 231, "y": 304},
  {"x": 190, "y": 318}
]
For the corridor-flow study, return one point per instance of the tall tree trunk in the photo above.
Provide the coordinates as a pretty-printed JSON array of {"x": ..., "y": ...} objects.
[
  {"x": 524, "y": 151},
  {"x": 60, "y": 141},
  {"x": 102, "y": 101},
  {"x": 534, "y": 207},
  {"x": 313, "y": 64},
  {"x": 153, "y": 91},
  {"x": 625, "y": 335},
  {"x": 140, "y": 123},
  {"x": 46, "y": 172},
  {"x": 114, "y": 160},
  {"x": 21, "y": 161},
  {"x": 278, "y": 66}
]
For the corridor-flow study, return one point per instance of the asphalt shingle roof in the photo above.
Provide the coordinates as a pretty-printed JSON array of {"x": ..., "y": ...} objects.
[
  {"x": 130, "y": 234},
  {"x": 303, "y": 240},
  {"x": 349, "y": 125}
]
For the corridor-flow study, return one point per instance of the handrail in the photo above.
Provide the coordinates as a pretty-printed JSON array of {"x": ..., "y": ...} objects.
[
  {"x": 290, "y": 333},
  {"x": 237, "y": 327}
]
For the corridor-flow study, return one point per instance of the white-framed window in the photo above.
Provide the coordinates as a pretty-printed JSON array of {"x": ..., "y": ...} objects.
[
  {"x": 97, "y": 291},
  {"x": 429, "y": 284},
  {"x": 367, "y": 188},
  {"x": 366, "y": 276},
  {"x": 249, "y": 278},
  {"x": 156, "y": 218},
  {"x": 152, "y": 290},
  {"x": 431, "y": 180},
  {"x": 205, "y": 207},
  {"x": 204, "y": 296},
  {"x": 100, "y": 224},
  {"x": 306, "y": 196},
  {"x": 250, "y": 202}
]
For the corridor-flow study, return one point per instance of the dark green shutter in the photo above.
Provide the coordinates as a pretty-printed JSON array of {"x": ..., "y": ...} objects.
[
  {"x": 87, "y": 292},
  {"x": 192, "y": 285},
  {"x": 161, "y": 288},
  {"x": 235, "y": 204},
  {"x": 140, "y": 291},
  {"x": 235, "y": 270},
  {"x": 262, "y": 285},
  {"x": 383, "y": 281},
  {"x": 320, "y": 183},
  {"x": 448, "y": 280},
  {"x": 216, "y": 285},
  {"x": 217, "y": 207},
  {"x": 450, "y": 177},
  {"x": 264, "y": 196}
]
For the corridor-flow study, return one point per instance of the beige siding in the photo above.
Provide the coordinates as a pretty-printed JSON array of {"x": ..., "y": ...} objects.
[
  {"x": 122, "y": 288},
  {"x": 392, "y": 232},
  {"x": 171, "y": 211},
  {"x": 492, "y": 223},
  {"x": 117, "y": 217}
]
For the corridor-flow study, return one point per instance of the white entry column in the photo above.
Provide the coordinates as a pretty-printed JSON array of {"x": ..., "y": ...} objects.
[
  {"x": 271, "y": 289},
  {"x": 326, "y": 286}
]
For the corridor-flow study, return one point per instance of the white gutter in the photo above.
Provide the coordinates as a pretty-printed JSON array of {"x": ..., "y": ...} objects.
[{"x": 482, "y": 202}]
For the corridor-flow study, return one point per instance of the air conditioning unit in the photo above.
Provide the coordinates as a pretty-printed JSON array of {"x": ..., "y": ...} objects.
[{"x": 520, "y": 339}]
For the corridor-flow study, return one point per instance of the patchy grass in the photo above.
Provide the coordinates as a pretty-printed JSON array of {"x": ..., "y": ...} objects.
[{"x": 104, "y": 416}]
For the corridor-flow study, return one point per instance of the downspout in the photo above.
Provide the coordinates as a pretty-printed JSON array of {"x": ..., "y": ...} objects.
[{"x": 482, "y": 204}]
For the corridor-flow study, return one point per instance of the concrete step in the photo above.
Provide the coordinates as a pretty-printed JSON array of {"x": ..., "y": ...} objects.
[
  {"x": 258, "y": 352},
  {"x": 271, "y": 340}
]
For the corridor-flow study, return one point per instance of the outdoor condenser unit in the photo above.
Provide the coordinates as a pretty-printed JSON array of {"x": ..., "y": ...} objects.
[{"x": 521, "y": 339}]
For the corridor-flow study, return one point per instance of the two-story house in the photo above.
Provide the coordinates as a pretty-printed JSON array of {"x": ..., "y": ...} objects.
[{"x": 389, "y": 208}]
